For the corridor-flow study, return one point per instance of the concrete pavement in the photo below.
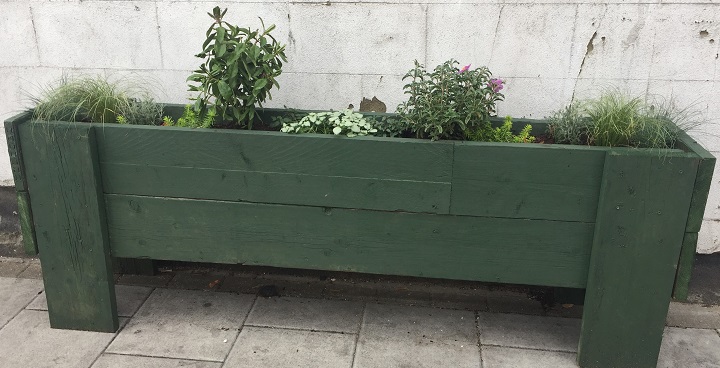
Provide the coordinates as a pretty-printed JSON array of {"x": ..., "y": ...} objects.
[{"x": 164, "y": 324}]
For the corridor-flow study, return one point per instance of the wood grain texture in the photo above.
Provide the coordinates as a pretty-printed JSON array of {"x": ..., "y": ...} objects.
[
  {"x": 62, "y": 171},
  {"x": 526, "y": 181},
  {"x": 15, "y": 150},
  {"x": 702, "y": 182},
  {"x": 281, "y": 188},
  {"x": 441, "y": 246},
  {"x": 27, "y": 228},
  {"x": 644, "y": 202},
  {"x": 311, "y": 154},
  {"x": 269, "y": 167},
  {"x": 685, "y": 266}
]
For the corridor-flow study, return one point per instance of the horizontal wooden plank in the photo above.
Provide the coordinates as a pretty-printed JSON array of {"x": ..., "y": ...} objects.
[
  {"x": 550, "y": 182},
  {"x": 309, "y": 154},
  {"x": 534, "y": 252},
  {"x": 280, "y": 188}
]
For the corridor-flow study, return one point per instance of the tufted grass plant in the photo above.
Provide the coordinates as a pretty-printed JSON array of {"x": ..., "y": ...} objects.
[
  {"x": 96, "y": 99},
  {"x": 616, "y": 119}
]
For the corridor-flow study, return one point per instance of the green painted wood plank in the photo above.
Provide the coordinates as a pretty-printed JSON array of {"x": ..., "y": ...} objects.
[
  {"x": 526, "y": 181},
  {"x": 702, "y": 182},
  {"x": 328, "y": 155},
  {"x": 281, "y": 188},
  {"x": 641, "y": 219},
  {"x": 14, "y": 148},
  {"x": 27, "y": 228},
  {"x": 68, "y": 210},
  {"x": 394, "y": 243},
  {"x": 685, "y": 265},
  {"x": 696, "y": 213}
]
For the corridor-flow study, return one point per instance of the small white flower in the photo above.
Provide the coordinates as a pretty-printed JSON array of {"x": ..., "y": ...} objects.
[{"x": 337, "y": 130}]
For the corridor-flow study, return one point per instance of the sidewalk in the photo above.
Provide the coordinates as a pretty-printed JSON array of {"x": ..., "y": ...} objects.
[{"x": 163, "y": 324}]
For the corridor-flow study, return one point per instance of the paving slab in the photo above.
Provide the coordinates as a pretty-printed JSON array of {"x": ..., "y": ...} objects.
[
  {"x": 184, "y": 324},
  {"x": 307, "y": 314},
  {"x": 693, "y": 315},
  {"x": 502, "y": 357},
  {"x": 16, "y": 294},
  {"x": 130, "y": 361},
  {"x": 534, "y": 332},
  {"x": 28, "y": 341},
  {"x": 418, "y": 337},
  {"x": 283, "y": 285},
  {"x": 507, "y": 301},
  {"x": 196, "y": 281},
  {"x": 11, "y": 267},
  {"x": 33, "y": 271},
  {"x": 129, "y": 299},
  {"x": 689, "y": 348},
  {"x": 259, "y": 347}
]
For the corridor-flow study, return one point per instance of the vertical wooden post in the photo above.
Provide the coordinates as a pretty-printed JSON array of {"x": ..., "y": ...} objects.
[
  {"x": 68, "y": 208},
  {"x": 643, "y": 209},
  {"x": 16, "y": 164}
]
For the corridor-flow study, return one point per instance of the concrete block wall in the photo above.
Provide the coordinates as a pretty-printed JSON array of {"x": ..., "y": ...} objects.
[{"x": 549, "y": 52}]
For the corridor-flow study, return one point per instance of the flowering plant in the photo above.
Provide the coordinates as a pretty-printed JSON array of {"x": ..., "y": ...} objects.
[
  {"x": 449, "y": 101},
  {"x": 345, "y": 122}
]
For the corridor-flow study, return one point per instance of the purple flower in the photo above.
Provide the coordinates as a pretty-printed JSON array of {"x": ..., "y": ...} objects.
[
  {"x": 464, "y": 69},
  {"x": 496, "y": 84}
]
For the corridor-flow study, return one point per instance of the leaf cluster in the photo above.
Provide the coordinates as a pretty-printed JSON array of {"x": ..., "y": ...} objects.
[
  {"x": 617, "y": 120},
  {"x": 240, "y": 68},
  {"x": 190, "y": 119},
  {"x": 96, "y": 99},
  {"x": 503, "y": 133},
  {"x": 447, "y": 102},
  {"x": 344, "y": 122}
]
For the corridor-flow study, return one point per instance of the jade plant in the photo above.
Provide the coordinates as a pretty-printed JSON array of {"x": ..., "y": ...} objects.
[
  {"x": 449, "y": 101},
  {"x": 240, "y": 68}
]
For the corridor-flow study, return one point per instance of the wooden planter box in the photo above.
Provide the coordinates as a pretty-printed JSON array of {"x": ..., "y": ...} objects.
[{"x": 611, "y": 221}]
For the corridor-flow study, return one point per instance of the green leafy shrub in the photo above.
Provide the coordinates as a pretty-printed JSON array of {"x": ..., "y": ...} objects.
[
  {"x": 388, "y": 126},
  {"x": 503, "y": 133},
  {"x": 96, "y": 99},
  {"x": 345, "y": 122},
  {"x": 447, "y": 102},
  {"x": 570, "y": 125},
  {"x": 141, "y": 112},
  {"x": 617, "y": 120},
  {"x": 190, "y": 119},
  {"x": 239, "y": 69}
]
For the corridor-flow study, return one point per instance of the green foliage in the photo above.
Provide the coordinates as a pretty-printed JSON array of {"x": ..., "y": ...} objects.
[
  {"x": 96, "y": 99},
  {"x": 617, "y": 120},
  {"x": 503, "y": 133},
  {"x": 141, "y": 112},
  {"x": 388, "y": 126},
  {"x": 190, "y": 119},
  {"x": 570, "y": 125},
  {"x": 344, "y": 122},
  {"x": 239, "y": 69},
  {"x": 447, "y": 102}
]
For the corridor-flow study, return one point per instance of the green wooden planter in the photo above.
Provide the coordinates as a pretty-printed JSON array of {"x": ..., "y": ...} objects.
[{"x": 611, "y": 221}]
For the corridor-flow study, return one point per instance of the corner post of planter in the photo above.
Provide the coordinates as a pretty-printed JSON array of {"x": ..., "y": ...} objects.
[
  {"x": 63, "y": 173},
  {"x": 642, "y": 212}
]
